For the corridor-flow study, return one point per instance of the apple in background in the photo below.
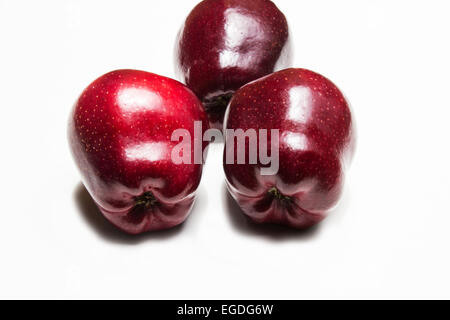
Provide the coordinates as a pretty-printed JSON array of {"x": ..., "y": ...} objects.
[
  {"x": 120, "y": 135},
  {"x": 316, "y": 145},
  {"x": 225, "y": 44}
]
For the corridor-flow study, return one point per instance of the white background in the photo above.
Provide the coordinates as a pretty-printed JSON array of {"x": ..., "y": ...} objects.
[{"x": 389, "y": 238}]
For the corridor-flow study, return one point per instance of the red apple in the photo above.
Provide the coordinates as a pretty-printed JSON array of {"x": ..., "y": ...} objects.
[
  {"x": 120, "y": 134},
  {"x": 225, "y": 44},
  {"x": 316, "y": 143}
]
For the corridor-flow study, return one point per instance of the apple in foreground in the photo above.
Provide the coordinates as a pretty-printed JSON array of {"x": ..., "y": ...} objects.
[
  {"x": 316, "y": 145},
  {"x": 225, "y": 44},
  {"x": 120, "y": 135}
]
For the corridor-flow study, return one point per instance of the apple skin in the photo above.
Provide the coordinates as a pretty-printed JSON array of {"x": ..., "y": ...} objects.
[
  {"x": 120, "y": 136},
  {"x": 225, "y": 44},
  {"x": 316, "y": 146}
]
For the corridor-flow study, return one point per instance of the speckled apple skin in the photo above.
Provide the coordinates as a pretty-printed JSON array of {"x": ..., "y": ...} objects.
[
  {"x": 120, "y": 135},
  {"x": 225, "y": 44},
  {"x": 317, "y": 142}
]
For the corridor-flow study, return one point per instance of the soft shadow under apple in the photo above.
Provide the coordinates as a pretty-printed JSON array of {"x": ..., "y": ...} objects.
[
  {"x": 244, "y": 225},
  {"x": 93, "y": 217}
]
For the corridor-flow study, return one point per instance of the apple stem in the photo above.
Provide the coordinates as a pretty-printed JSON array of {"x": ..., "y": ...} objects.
[
  {"x": 278, "y": 195},
  {"x": 146, "y": 200}
]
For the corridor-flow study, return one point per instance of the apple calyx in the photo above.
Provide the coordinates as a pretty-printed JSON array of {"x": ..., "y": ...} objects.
[
  {"x": 274, "y": 192},
  {"x": 146, "y": 200},
  {"x": 219, "y": 102}
]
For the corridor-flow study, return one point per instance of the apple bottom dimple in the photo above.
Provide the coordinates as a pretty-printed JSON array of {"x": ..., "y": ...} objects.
[
  {"x": 155, "y": 217},
  {"x": 216, "y": 107},
  {"x": 275, "y": 208}
]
